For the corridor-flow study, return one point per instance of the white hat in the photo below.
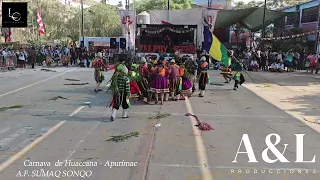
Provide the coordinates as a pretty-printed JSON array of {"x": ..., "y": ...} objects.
[
  {"x": 173, "y": 61},
  {"x": 99, "y": 55},
  {"x": 143, "y": 60},
  {"x": 125, "y": 70},
  {"x": 203, "y": 58}
]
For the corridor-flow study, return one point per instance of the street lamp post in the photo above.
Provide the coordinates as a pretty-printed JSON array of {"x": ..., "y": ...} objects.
[{"x": 82, "y": 24}]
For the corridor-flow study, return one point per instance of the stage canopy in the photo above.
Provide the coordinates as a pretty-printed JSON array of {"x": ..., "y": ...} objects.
[{"x": 251, "y": 18}]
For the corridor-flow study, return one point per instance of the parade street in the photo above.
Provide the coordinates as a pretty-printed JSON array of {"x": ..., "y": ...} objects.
[{"x": 52, "y": 121}]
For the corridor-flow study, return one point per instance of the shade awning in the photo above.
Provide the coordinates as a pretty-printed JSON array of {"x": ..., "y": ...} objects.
[{"x": 250, "y": 18}]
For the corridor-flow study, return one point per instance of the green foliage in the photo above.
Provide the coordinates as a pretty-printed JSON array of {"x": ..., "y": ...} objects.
[
  {"x": 124, "y": 137},
  {"x": 147, "y": 5},
  {"x": 64, "y": 21},
  {"x": 275, "y": 4}
]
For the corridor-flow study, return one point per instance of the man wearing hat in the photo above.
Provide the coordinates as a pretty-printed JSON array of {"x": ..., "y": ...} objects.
[
  {"x": 174, "y": 79},
  {"x": 98, "y": 74},
  {"x": 192, "y": 67},
  {"x": 203, "y": 76},
  {"x": 121, "y": 97},
  {"x": 143, "y": 83}
]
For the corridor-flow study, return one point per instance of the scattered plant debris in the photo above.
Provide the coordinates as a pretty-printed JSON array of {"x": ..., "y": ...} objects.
[
  {"x": 48, "y": 70},
  {"x": 216, "y": 84},
  {"x": 160, "y": 116},
  {"x": 10, "y": 107},
  {"x": 67, "y": 79},
  {"x": 38, "y": 115},
  {"x": 76, "y": 84},
  {"x": 57, "y": 97},
  {"x": 123, "y": 137}
]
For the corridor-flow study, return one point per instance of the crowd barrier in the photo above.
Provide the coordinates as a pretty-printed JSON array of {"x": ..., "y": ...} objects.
[{"x": 8, "y": 62}]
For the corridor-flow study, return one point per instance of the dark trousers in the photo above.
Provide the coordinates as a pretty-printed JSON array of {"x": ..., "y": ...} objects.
[
  {"x": 236, "y": 82},
  {"x": 32, "y": 65},
  {"x": 120, "y": 100},
  {"x": 203, "y": 79},
  {"x": 242, "y": 80}
]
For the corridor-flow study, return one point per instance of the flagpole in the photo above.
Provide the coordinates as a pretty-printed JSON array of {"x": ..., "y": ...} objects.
[
  {"x": 38, "y": 34},
  {"x": 82, "y": 25}
]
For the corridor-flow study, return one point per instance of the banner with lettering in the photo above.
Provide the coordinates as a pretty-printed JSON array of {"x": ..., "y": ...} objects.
[
  {"x": 175, "y": 30},
  {"x": 209, "y": 18},
  {"x": 128, "y": 24},
  {"x": 184, "y": 49}
]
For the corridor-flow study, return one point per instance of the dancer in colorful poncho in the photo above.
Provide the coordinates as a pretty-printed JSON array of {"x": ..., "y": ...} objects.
[
  {"x": 174, "y": 79},
  {"x": 143, "y": 82},
  {"x": 238, "y": 77},
  {"x": 98, "y": 74},
  {"x": 159, "y": 82},
  {"x": 226, "y": 73},
  {"x": 121, "y": 93},
  {"x": 203, "y": 76}
]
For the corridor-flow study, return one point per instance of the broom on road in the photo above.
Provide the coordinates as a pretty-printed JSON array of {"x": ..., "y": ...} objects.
[{"x": 203, "y": 126}]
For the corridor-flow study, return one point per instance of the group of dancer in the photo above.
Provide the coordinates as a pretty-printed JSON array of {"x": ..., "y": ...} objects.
[{"x": 159, "y": 81}]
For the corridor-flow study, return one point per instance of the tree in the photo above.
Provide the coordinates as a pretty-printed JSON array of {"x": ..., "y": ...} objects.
[
  {"x": 146, "y": 5},
  {"x": 242, "y": 5},
  {"x": 63, "y": 21},
  {"x": 274, "y": 4},
  {"x": 99, "y": 20}
]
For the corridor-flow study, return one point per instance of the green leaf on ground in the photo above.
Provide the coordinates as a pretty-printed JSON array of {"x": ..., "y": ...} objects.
[
  {"x": 76, "y": 84},
  {"x": 57, "y": 97},
  {"x": 48, "y": 70},
  {"x": 123, "y": 137},
  {"x": 160, "y": 116},
  {"x": 67, "y": 79},
  {"x": 10, "y": 107}
]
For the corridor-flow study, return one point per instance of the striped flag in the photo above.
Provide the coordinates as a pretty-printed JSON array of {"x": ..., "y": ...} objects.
[
  {"x": 215, "y": 48},
  {"x": 40, "y": 23}
]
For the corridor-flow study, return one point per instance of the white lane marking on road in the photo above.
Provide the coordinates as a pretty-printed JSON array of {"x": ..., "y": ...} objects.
[
  {"x": 201, "y": 150},
  {"x": 19, "y": 89},
  {"x": 12, "y": 137},
  {"x": 4, "y": 130},
  {"x": 153, "y": 113},
  {"x": 71, "y": 152},
  {"x": 26, "y": 149}
]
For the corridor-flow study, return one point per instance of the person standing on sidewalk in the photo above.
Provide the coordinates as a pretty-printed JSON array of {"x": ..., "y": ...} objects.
[
  {"x": 33, "y": 56},
  {"x": 22, "y": 58},
  {"x": 318, "y": 65}
]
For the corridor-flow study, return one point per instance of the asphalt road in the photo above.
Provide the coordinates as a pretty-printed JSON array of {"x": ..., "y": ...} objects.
[{"x": 50, "y": 131}]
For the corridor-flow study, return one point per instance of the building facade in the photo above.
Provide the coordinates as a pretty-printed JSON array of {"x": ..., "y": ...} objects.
[{"x": 307, "y": 17}]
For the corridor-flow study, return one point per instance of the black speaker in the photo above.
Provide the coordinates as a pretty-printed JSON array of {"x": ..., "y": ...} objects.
[
  {"x": 123, "y": 43},
  {"x": 113, "y": 43}
]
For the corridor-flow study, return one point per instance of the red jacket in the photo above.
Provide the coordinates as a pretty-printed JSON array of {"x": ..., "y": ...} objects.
[{"x": 134, "y": 88}]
